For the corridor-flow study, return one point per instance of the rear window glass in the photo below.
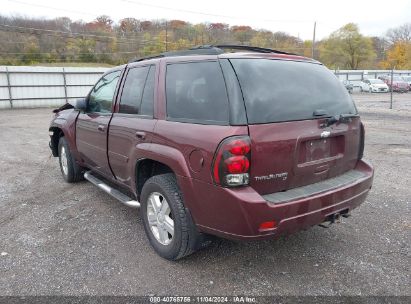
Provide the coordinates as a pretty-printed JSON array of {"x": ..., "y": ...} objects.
[
  {"x": 278, "y": 90},
  {"x": 196, "y": 93}
]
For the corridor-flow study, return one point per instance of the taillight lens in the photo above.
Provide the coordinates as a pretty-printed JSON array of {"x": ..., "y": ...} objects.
[
  {"x": 362, "y": 138},
  {"x": 232, "y": 162}
]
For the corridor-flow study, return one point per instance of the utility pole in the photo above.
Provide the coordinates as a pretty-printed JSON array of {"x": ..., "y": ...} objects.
[
  {"x": 392, "y": 76},
  {"x": 313, "y": 46}
]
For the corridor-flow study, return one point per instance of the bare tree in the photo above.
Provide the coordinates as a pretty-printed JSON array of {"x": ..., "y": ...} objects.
[{"x": 400, "y": 34}]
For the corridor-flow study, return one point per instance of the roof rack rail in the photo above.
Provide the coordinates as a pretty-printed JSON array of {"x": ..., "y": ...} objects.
[
  {"x": 250, "y": 48},
  {"x": 146, "y": 58},
  {"x": 198, "y": 50},
  {"x": 210, "y": 50}
]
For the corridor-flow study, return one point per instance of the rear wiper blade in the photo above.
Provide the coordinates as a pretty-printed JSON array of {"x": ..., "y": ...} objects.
[{"x": 342, "y": 118}]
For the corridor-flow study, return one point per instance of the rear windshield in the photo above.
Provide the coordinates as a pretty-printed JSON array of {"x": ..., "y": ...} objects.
[{"x": 278, "y": 90}]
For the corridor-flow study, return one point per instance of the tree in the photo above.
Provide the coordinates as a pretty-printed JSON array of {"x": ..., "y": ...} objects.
[
  {"x": 242, "y": 33},
  {"x": 217, "y": 33},
  {"x": 262, "y": 39},
  {"x": 308, "y": 49},
  {"x": 400, "y": 34},
  {"x": 398, "y": 56},
  {"x": 105, "y": 21},
  {"x": 347, "y": 48},
  {"x": 129, "y": 25}
]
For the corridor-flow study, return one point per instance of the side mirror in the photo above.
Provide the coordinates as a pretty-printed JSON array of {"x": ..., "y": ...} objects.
[{"x": 80, "y": 104}]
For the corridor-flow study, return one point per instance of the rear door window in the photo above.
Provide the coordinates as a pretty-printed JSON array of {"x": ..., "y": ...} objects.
[
  {"x": 147, "y": 102},
  {"x": 196, "y": 93},
  {"x": 279, "y": 90},
  {"x": 131, "y": 96}
]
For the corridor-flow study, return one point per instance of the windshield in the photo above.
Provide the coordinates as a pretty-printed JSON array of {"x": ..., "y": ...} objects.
[
  {"x": 375, "y": 81},
  {"x": 278, "y": 90},
  {"x": 398, "y": 79}
]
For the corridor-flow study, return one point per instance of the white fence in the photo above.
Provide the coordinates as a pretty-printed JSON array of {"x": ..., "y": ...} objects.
[
  {"x": 31, "y": 87},
  {"x": 356, "y": 76}
]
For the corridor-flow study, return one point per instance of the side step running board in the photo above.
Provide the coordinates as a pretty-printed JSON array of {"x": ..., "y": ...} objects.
[{"x": 124, "y": 199}]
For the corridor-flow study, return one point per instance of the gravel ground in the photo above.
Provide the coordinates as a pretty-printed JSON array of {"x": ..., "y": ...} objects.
[{"x": 61, "y": 239}]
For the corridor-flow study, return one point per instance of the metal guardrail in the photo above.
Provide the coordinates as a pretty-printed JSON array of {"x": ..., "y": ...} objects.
[
  {"x": 62, "y": 79},
  {"x": 11, "y": 84},
  {"x": 359, "y": 75}
]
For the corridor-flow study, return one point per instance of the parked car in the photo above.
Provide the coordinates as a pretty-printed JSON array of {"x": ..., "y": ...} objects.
[
  {"x": 373, "y": 86},
  {"x": 407, "y": 79},
  {"x": 398, "y": 84},
  {"x": 348, "y": 85},
  {"x": 249, "y": 145}
]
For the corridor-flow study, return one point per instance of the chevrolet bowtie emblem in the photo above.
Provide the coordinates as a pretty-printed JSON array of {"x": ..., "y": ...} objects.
[{"x": 325, "y": 134}]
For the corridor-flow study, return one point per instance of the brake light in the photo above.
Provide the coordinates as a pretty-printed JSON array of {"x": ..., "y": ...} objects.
[
  {"x": 239, "y": 147},
  {"x": 232, "y": 162},
  {"x": 237, "y": 164}
]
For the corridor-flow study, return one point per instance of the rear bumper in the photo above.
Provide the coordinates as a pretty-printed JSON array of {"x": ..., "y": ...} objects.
[{"x": 238, "y": 213}]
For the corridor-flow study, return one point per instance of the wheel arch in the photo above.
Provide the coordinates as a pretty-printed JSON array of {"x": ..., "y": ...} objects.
[
  {"x": 158, "y": 159},
  {"x": 146, "y": 168},
  {"x": 54, "y": 139}
]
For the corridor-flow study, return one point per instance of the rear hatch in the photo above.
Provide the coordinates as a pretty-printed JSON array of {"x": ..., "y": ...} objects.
[{"x": 287, "y": 102}]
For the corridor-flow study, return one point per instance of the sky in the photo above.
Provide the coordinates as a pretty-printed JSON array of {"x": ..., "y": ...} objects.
[{"x": 295, "y": 17}]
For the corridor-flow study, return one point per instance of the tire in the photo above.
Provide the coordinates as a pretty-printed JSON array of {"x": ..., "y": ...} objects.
[
  {"x": 70, "y": 170},
  {"x": 361, "y": 89},
  {"x": 162, "y": 191},
  {"x": 369, "y": 90}
]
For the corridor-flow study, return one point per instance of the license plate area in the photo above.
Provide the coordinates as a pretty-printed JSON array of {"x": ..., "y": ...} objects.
[{"x": 318, "y": 149}]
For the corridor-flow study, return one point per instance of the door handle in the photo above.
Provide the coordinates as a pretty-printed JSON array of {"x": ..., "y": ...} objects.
[
  {"x": 101, "y": 128},
  {"x": 141, "y": 135}
]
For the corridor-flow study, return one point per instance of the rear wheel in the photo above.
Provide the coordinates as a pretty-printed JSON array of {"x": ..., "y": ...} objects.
[
  {"x": 70, "y": 170},
  {"x": 168, "y": 224}
]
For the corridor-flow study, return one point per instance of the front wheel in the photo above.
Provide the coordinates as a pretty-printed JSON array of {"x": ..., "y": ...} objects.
[
  {"x": 70, "y": 170},
  {"x": 167, "y": 223}
]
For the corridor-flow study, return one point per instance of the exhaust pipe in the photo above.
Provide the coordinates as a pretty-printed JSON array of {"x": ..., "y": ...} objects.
[{"x": 334, "y": 218}]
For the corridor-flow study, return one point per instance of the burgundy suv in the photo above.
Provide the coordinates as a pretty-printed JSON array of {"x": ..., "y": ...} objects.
[{"x": 248, "y": 145}]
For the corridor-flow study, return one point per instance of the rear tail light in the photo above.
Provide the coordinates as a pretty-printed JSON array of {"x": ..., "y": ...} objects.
[
  {"x": 232, "y": 162},
  {"x": 266, "y": 226},
  {"x": 361, "y": 145}
]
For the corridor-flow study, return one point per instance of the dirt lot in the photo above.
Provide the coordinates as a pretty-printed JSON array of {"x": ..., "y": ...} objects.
[{"x": 58, "y": 238}]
